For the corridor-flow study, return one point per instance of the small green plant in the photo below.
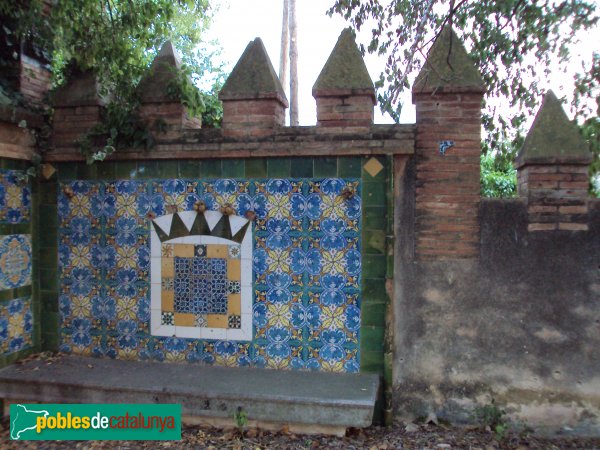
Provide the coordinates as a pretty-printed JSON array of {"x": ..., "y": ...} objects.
[
  {"x": 241, "y": 419},
  {"x": 494, "y": 418}
]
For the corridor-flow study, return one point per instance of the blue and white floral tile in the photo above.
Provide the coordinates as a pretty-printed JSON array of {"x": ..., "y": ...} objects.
[
  {"x": 16, "y": 325},
  {"x": 306, "y": 266},
  {"x": 15, "y": 197},
  {"x": 15, "y": 261}
]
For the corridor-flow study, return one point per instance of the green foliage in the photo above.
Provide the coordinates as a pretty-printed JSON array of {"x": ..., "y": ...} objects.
[
  {"x": 119, "y": 128},
  {"x": 241, "y": 419},
  {"x": 494, "y": 418},
  {"x": 591, "y": 132},
  {"x": 498, "y": 176},
  {"x": 117, "y": 40},
  {"x": 512, "y": 42}
]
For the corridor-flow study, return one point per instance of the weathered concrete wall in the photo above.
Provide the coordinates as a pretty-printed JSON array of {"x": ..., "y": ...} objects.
[{"x": 520, "y": 325}]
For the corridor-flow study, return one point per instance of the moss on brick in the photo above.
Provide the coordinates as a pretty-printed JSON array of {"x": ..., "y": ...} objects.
[
  {"x": 345, "y": 67},
  {"x": 448, "y": 67}
]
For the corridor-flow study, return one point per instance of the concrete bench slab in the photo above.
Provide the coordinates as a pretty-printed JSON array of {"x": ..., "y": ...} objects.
[{"x": 270, "y": 396}]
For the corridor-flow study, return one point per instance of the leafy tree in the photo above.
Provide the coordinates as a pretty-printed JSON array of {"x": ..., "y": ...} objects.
[
  {"x": 511, "y": 41},
  {"x": 498, "y": 177},
  {"x": 117, "y": 40}
]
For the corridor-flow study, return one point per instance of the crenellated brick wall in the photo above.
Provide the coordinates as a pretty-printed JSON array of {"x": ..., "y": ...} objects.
[
  {"x": 447, "y": 151},
  {"x": 552, "y": 171}
]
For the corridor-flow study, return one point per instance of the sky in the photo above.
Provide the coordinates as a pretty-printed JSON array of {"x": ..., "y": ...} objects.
[{"x": 237, "y": 22}]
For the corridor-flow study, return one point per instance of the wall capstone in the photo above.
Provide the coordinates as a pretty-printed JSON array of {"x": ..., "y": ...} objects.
[
  {"x": 344, "y": 90},
  {"x": 552, "y": 169},
  {"x": 77, "y": 106},
  {"x": 157, "y": 97},
  {"x": 253, "y": 99}
]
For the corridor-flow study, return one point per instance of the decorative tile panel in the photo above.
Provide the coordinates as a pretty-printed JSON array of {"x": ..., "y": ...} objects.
[
  {"x": 304, "y": 276},
  {"x": 15, "y": 261},
  {"x": 15, "y": 197},
  {"x": 197, "y": 261},
  {"x": 16, "y": 325}
]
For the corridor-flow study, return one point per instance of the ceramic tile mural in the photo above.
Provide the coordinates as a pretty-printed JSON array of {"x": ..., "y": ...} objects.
[
  {"x": 201, "y": 276},
  {"x": 16, "y": 325},
  {"x": 305, "y": 268},
  {"x": 15, "y": 261},
  {"x": 15, "y": 197}
]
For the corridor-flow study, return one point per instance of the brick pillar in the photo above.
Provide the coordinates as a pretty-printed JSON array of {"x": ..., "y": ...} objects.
[
  {"x": 157, "y": 104},
  {"x": 448, "y": 103},
  {"x": 254, "y": 102},
  {"x": 24, "y": 66},
  {"x": 552, "y": 171},
  {"x": 344, "y": 91},
  {"x": 77, "y": 108}
]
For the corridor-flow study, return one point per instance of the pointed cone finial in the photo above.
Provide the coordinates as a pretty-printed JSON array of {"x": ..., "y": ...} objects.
[
  {"x": 553, "y": 138},
  {"x": 448, "y": 67},
  {"x": 153, "y": 87},
  {"x": 345, "y": 69},
  {"x": 253, "y": 77}
]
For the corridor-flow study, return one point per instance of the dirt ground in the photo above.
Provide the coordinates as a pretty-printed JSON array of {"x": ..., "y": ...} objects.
[{"x": 399, "y": 436}]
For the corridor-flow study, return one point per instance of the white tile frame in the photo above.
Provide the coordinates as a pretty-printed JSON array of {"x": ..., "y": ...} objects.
[{"x": 244, "y": 333}]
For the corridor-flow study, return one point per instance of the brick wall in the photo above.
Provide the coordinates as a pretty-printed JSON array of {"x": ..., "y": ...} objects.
[
  {"x": 447, "y": 187},
  {"x": 556, "y": 196}
]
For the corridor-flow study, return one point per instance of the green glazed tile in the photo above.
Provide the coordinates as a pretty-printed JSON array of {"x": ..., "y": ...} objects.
[
  {"x": 210, "y": 168},
  {"x": 278, "y": 168},
  {"x": 48, "y": 257},
  {"x": 48, "y": 217},
  {"x": 23, "y": 291},
  {"x": 374, "y": 266},
  {"x": 373, "y": 314},
  {"x": 374, "y": 290},
  {"x": 49, "y": 279},
  {"x": 48, "y": 193},
  {"x": 374, "y": 217},
  {"x": 325, "y": 167},
  {"x": 301, "y": 168},
  {"x": 371, "y": 362},
  {"x": 256, "y": 168},
  {"x": 381, "y": 176},
  {"x": 50, "y": 341},
  {"x": 374, "y": 194},
  {"x": 189, "y": 169},
  {"x": 49, "y": 300},
  {"x": 149, "y": 169},
  {"x": 168, "y": 169},
  {"x": 67, "y": 171},
  {"x": 233, "y": 168},
  {"x": 371, "y": 338},
  {"x": 87, "y": 171},
  {"x": 349, "y": 167},
  {"x": 49, "y": 321},
  {"x": 48, "y": 237},
  {"x": 106, "y": 170},
  {"x": 374, "y": 242},
  {"x": 125, "y": 170}
]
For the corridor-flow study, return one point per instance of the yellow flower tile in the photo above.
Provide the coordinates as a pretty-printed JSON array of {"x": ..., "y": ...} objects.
[
  {"x": 183, "y": 250},
  {"x": 373, "y": 167},
  {"x": 234, "y": 271},
  {"x": 216, "y": 321},
  {"x": 185, "y": 320},
  {"x": 216, "y": 251},
  {"x": 234, "y": 304},
  {"x": 167, "y": 299},
  {"x": 167, "y": 267}
]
